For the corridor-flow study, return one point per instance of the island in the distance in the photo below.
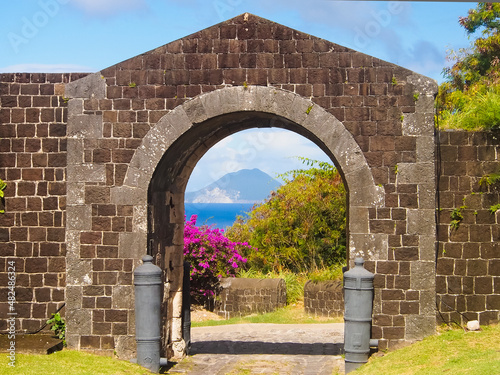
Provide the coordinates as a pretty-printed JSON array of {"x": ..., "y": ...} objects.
[{"x": 243, "y": 186}]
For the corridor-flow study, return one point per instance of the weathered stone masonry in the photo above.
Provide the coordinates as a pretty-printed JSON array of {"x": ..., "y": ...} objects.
[
  {"x": 468, "y": 267},
  {"x": 135, "y": 131},
  {"x": 33, "y": 162}
]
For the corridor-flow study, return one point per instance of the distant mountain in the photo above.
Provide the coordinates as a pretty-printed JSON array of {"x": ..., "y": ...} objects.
[{"x": 244, "y": 186}]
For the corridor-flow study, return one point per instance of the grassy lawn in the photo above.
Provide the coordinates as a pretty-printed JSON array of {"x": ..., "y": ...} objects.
[
  {"x": 69, "y": 362},
  {"x": 450, "y": 352},
  {"x": 291, "y": 314}
]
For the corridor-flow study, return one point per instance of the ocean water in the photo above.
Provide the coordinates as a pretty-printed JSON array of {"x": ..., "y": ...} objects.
[{"x": 220, "y": 215}]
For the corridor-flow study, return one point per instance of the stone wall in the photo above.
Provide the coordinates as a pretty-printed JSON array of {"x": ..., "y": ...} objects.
[
  {"x": 468, "y": 259},
  {"x": 136, "y": 130},
  {"x": 240, "y": 296},
  {"x": 324, "y": 298},
  {"x": 33, "y": 146}
]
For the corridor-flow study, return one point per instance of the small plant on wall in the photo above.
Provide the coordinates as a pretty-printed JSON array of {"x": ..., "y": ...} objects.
[
  {"x": 491, "y": 180},
  {"x": 456, "y": 218},
  {"x": 3, "y": 185},
  {"x": 58, "y": 326}
]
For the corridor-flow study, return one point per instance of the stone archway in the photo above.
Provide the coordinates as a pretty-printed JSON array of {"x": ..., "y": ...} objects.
[
  {"x": 136, "y": 129},
  {"x": 161, "y": 166}
]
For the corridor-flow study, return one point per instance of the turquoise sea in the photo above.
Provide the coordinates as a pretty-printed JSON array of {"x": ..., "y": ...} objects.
[{"x": 220, "y": 215}]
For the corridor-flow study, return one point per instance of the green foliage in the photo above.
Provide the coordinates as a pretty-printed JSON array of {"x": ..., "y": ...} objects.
[
  {"x": 490, "y": 179},
  {"x": 476, "y": 109},
  {"x": 494, "y": 208},
  {"x": 325, "y": 274},
  {"x": 132, "y": 84},
  {"x": 301, "y": 226},
  {"x": 308, "y": 110},
  {"x": 394, "y": 81},
  {"x": 470, "y": 98},
  {"x": 456, "y": 218},
  {"x": 3, "y": 185},
  {"x": 58, "y": 326},
  {"x": 416, "y": 95}
]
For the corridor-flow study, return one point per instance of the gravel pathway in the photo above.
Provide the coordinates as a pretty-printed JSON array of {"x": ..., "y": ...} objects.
[{"x": 288, "y": 349}]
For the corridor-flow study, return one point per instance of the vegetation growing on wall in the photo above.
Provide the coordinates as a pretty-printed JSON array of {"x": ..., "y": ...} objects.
[
  {"x": 470, "y": 97},
  {"x": 3, "y": 185},
  {"x": 301, "y": 227}
]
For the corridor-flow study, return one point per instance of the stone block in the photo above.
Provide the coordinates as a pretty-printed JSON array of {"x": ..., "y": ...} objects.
[
  {"x": 78, "y": 217},
  {"x": 415, "y": 173},
  {"x": 125, "y": 345},
  {"x": 422, "y": 275},
  {"x": 75, "y": 193},
  {"x": 92, "y": 86},
  {"x": 125, "y": 195},
  {"x": 78, "y": 272},
  {"x": 140, "y": 219},
  {"x": 420, "y": 326},
  {"x": 85, "y": 173},
  {"x": 85, "y": 126},
  {"x": 123, "y": 297},
  {"x": 132, "y": 245},
  {"x": 78, "y": 322},
  {"x": 368, "y": 246},
  {"x": 358, "y": 220}
]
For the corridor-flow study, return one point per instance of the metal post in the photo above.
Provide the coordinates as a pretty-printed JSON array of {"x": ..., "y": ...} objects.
[
  {"x": 358, "y": 304},
  {"x": 148, "y": 292}
]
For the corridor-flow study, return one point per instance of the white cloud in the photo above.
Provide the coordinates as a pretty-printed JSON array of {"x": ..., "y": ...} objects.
[
  {"x": 108, "y": 7},
  {"x": 215, "y": 195},
  {"x": 45, "y": 68}
]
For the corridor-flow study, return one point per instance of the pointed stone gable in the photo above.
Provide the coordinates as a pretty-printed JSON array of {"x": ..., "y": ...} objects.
[{"x": 250, "y": 50}]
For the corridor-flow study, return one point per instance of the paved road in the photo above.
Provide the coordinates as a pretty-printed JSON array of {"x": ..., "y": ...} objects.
[{"x": 288, "y": 349}]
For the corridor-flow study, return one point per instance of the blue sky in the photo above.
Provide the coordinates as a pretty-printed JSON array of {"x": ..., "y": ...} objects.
[{"x": 90, "y": 35}]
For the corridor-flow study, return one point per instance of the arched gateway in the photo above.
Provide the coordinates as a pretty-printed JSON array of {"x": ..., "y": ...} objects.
[{"x": 136, "y": 131}]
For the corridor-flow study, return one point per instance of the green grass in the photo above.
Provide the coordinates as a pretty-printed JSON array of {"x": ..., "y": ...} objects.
[
  {"x": 291, "y": 314},
  {"x": 451, "y": 352},
  {"x": 69, "y": 362}
]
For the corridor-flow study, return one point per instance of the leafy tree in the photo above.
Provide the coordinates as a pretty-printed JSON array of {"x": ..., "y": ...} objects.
[
  {"x": 470, "y": 96},
  {"x": 301, "y": 227}
]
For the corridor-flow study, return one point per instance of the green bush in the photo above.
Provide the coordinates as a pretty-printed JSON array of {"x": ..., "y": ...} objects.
[{"x": 301, "y": 227}]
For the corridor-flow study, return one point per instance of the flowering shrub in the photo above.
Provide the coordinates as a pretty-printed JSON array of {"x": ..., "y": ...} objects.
[{"x": 211, "y": 256}]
